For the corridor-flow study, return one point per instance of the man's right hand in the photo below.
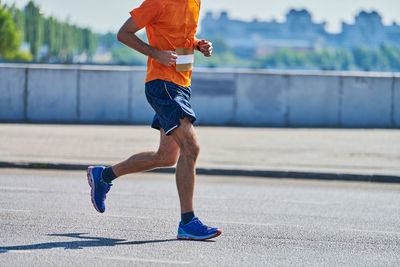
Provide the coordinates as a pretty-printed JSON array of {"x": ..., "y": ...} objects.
[{"x": 166, "y": 58}]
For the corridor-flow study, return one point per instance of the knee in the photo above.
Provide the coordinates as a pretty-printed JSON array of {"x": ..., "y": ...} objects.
[
  {"x": 191, "y": 149},
  {"x": 167, "y": 159}
]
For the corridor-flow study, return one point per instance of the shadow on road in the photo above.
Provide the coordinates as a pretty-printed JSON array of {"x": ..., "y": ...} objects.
[{"x": 84, "y": 242}]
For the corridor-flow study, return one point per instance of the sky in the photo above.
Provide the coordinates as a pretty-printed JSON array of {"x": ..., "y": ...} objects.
[{"x": 103, "y": 16}]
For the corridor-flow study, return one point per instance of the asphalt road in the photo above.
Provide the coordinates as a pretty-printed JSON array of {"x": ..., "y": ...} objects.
[{"x": 47, "y": 219}]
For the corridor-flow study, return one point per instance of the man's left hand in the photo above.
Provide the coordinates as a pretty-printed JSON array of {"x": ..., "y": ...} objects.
[{"x": 206, "y": 48}]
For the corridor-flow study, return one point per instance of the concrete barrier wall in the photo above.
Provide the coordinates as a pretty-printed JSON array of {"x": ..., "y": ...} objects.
[
  {"x": 309, "y": 95},
  {"x": 12, "y": 94},
  {"x": 104, "y": 96},
  {"x": 140, "y": 112},
  {"x": 214, "y": 99},
  {"x": 367, "y": 102},
  {"x": 396, "y": 103},
  {"x": 262, "y": 100},
  {"x": 50, "y": 97},
  {"x": 95, "y": 94}
]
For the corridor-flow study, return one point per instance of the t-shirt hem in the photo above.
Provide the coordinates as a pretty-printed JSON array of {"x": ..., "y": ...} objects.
[{"x": 168, "y": 80}]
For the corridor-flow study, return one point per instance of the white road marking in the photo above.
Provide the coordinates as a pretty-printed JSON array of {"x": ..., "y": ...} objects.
[
  {"x": 212, "y": 197},
  {"x": 258, "y": 224},
  {"x": 246, "y": 223},
  {"x": 309, "y": 202},
  {"x": 10, "y": 188},
  {"x": 126, "y": 216},
  {"x": 15, "y": 251},
  {"x": 299, "y": 226},
  {"x": 20, "y": 251},
  {"x": 123, "y": 193},
  {"x": 370, "y": 231},
  {"x": 12, "y": 210},
  {"x": 147, "y": 260}
]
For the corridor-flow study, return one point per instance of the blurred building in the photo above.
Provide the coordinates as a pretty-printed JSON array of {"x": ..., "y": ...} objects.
[
  {"x": 298, "y": 32},
  {"x": 368, "y": 30}
]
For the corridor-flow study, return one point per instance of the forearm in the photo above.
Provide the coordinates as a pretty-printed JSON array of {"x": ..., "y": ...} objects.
[
  {"x": 196, "y": 44},
  {"x": 134, "y": 42}
]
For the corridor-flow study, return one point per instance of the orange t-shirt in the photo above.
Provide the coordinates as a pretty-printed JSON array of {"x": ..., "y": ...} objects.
[{"x": 169, "y": 24}]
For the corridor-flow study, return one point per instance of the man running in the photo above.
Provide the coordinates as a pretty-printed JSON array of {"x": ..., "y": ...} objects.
[{"x": 171, "y": 26}]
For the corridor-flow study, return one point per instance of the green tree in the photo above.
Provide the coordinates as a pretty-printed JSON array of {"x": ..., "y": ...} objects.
[
  {"x": 365, "y": 58},
  {"x": 325, "y": 59},
  {"x": 50, "y": 37},
  {"x": 57, "y": 47},
  {"x": 68, "y": 42},
  {"x": 63, "y": 40},
  {"x": 34, "y": 25},
  {"x": 19, "y": 20},
  {"x": 89, "y": 42},
  {"x": 392, "y": 55},
  {"x": 286, "y": 58},
  {"x": 9, "y": 41},
  {"x": 126, "y": 56},
  {"x": 221, "y": 45},
  {"x": 108, "y": 40},
  {"x": 344, "y": 60}
]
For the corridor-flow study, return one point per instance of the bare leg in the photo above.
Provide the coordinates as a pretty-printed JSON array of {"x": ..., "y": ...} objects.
[
  {"x": 186, "y": 139},
  {"x": 166, "y": 156}
]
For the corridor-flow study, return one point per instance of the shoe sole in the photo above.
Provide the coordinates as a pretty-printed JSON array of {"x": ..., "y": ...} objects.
[
  {"x": 190, "y": 237},
  {"x": 92, "y": 186}
]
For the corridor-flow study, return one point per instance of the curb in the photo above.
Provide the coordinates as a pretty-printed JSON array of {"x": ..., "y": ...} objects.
[{"x": 376, "y": 178}]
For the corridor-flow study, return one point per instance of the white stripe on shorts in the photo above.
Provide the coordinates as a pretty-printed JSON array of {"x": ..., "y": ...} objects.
[{"x": 170, "y": 130}]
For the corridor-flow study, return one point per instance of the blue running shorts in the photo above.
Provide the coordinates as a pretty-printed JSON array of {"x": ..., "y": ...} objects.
[{"x": 170, "y": 102}]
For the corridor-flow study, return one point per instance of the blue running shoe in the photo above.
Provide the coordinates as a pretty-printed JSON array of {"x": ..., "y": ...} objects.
[
  {"x": 196, "y": 230},
  {"x": 99, "y": 188}
]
